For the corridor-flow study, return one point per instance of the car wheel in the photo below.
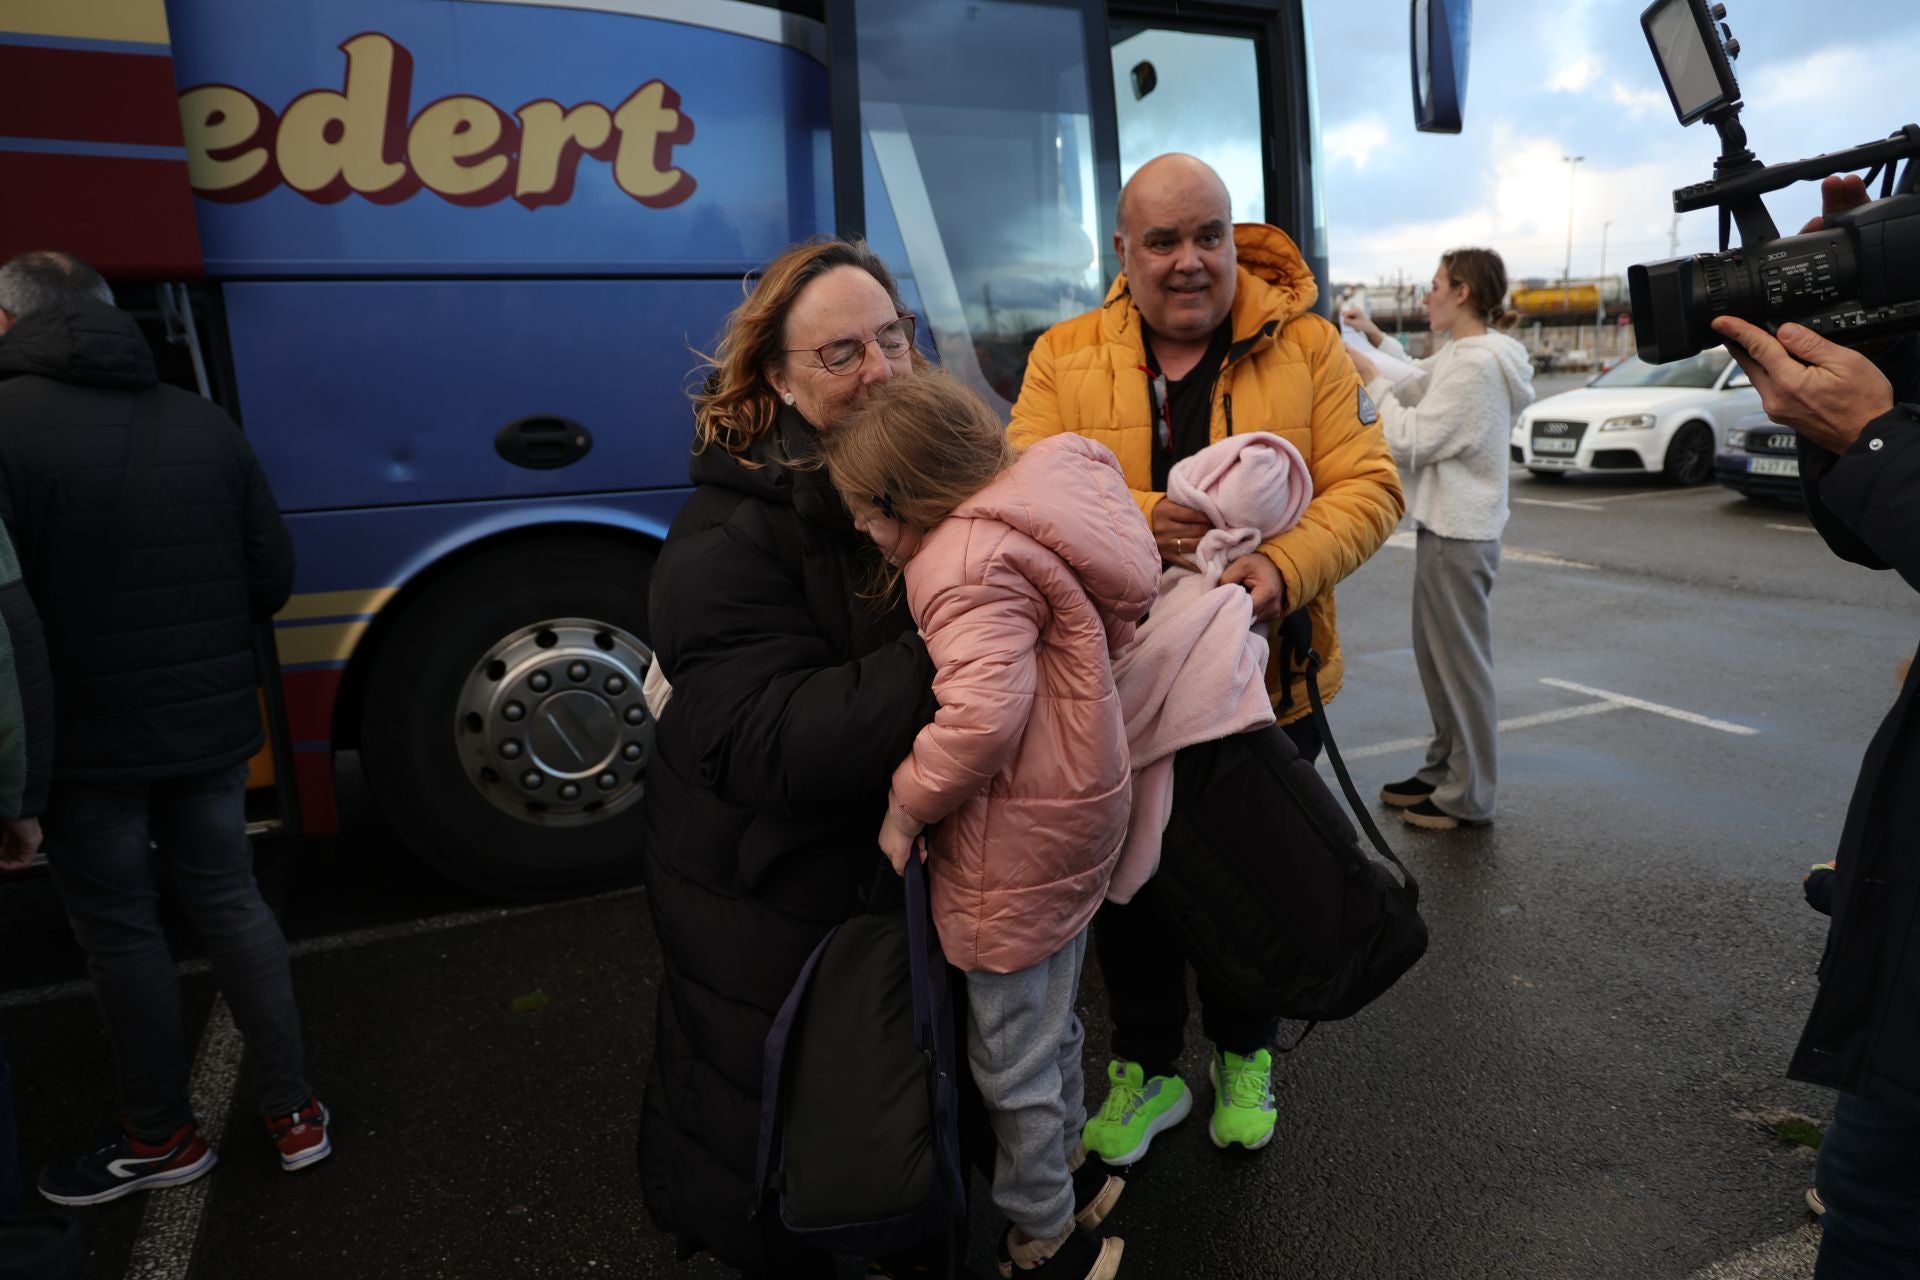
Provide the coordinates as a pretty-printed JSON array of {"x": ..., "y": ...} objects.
[
  {"x": 1689, "y": 458},
  {"x": 503, "y": 732}
]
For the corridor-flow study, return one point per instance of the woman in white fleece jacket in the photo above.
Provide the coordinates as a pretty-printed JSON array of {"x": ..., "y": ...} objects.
[{"x": 1448, "y": 428}]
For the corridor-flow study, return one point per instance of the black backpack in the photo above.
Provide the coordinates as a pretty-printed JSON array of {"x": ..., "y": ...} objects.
[
  {"x": 1264, "y": 879},
  {"x": 859, "y": 1114}
]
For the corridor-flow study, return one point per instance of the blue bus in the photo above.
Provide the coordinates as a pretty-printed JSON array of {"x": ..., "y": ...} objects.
[{"x": 450, "y": 263}]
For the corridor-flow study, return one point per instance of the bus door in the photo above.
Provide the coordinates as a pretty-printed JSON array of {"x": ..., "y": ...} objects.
[
  {"x": 981, "y": 147},
  {"x": 974, "y": 146},
  {"x": 1235, "y": 89},
  {"x": 94, "y": 157}
]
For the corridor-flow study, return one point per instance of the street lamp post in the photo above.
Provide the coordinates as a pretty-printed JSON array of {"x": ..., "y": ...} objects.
[
  {"x": 1600, "y": 293},
  {"x": 1566, "y": 274}
]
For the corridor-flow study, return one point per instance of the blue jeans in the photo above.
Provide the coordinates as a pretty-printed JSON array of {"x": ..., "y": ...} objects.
[
  {"x": 1869, "y": 1175},
  {"x": 101, "y": 840}
]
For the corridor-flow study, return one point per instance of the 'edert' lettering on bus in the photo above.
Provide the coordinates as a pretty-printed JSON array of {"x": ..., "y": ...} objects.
[{"x": 357, "y": 140}]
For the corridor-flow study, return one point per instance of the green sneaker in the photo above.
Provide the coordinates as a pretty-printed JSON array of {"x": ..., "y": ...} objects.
[
  {"x": 1135, "y": 1111},
  {"x": 1242, "y": 1100}
]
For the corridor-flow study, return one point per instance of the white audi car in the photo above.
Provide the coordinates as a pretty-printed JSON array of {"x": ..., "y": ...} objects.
[{"x": 1670, "y": 419}]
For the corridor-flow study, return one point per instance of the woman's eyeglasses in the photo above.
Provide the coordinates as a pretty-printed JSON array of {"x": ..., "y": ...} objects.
[{"x": 845, "y": 355}]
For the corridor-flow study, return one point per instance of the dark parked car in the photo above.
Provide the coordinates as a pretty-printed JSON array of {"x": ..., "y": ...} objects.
[{"x": 1761, "y": 460}]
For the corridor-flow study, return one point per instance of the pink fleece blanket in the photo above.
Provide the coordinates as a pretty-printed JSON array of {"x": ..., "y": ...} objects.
[
  {"x": 1196, "y": 668},
  {"x": 1250, "y": 487}
]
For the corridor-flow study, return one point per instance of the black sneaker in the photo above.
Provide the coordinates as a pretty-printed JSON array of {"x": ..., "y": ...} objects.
[
  {"x": 123, "y": 1164},
  {"x": 1077, "y": 1255},
  {"x": 1096, "y": 1189},
  {"x": 1431, "y": 817},
  {"x": 1403, "y": 795}
]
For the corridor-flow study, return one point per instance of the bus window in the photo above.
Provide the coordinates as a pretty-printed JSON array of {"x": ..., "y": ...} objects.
[
  {"x": 986, "y": 156},
  {"x": 1185, "y": 91}
]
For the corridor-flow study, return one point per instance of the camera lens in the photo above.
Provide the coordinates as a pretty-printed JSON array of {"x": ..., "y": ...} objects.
[{"x": 1675, "y": 302}]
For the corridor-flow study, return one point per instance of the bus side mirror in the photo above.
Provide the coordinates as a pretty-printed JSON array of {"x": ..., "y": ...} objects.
[{"x": 1441, "y": 34}]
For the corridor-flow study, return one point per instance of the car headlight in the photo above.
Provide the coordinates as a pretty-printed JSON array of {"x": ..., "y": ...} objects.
[
  {"x": 1736, "y": 439},
  {"x": 1633, "y": 422}
]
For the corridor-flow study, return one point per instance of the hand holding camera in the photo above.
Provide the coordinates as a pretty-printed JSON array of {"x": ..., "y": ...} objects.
[{"x": 1825, "y": 391}]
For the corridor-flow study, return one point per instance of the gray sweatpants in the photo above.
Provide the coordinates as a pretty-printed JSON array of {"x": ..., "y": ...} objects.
[
  {"x": 1453, "y": 647},
  {"x": 1023, "y": 1042}
]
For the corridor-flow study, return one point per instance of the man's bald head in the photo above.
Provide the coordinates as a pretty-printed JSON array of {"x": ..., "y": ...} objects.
[
  {"x": 1180, "y": 175},
  {"x": 1174, "y": 234}
]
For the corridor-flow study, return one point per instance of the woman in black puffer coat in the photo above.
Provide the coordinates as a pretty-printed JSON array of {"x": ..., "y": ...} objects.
[{"x": 794, "y": 697}]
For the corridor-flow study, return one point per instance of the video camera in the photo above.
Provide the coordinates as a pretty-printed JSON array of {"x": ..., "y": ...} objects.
[{"x": 1855, "y": 280}]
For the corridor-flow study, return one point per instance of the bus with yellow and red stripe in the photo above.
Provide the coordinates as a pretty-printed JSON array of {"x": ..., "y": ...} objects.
[{"x": 450, "y": 264}]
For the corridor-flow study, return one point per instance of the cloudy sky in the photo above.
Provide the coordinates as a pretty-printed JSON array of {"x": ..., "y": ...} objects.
[{"x": 1574, "y": 77}]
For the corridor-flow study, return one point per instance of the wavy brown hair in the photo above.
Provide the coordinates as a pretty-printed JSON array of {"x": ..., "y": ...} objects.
[
  {"x": 1484, "y": 273},
  {"x": 917, "y": 449},
  {"x": 736, "y": 406}
]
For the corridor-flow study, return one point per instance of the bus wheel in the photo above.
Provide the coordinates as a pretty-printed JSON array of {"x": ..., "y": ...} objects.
[{"x": 503, "y": 732}]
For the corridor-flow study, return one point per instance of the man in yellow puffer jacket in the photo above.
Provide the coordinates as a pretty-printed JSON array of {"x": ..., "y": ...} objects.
[{"x": 1207, "y": 332}]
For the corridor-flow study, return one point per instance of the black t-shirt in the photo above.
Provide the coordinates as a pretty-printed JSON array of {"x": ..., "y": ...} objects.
[{"x": 1183, "y": 425}]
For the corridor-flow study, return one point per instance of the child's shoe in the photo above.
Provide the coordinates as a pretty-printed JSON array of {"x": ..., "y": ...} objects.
[
  {"x": 302, "y": 1136},
  {"x": 123, "y": 1164},
  {"x": 1095, "y": 1190},
  {"x": 1137, "y": 1108},
  {"x": 1076, "y": 1255},
  {"x": 1243, "y": 1113}
]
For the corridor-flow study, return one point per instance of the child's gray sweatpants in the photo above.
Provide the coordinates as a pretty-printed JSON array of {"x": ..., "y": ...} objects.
[{"x": 1023, "y": 1041}]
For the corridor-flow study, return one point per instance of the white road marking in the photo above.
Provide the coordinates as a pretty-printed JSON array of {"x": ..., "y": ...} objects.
[
  {"x": 170, "y": 1226},
  {"x": 1408, "y": 541},
  {"x": 1794, "y": 528},
  {"x": 1518, "y": 722},
  {"x": 1673, "y": 713},
  {"x": 1695, "y": 491},
  {"x": 1524, "y": 556},
  {"x": 1569, "y": 506},
  {"x": 328, "y": 942},
  {"x": 1787, "y": 1257},
  {"x": 1591, "y": 503}
]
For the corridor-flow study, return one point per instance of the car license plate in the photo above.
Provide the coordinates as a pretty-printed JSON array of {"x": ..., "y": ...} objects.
[
  {"x": 1547, "y": 444},
  {"x": 1773, "y": 466}
]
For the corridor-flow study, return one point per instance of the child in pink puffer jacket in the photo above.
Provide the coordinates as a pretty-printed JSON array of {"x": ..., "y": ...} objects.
[{"x": 1024, "y": 573}]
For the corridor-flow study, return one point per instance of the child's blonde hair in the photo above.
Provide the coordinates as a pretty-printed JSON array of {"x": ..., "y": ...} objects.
[{"x": 921, "y": 445}]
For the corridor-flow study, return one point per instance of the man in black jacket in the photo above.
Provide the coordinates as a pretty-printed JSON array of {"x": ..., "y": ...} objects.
[
  {"x": 1860, "y": 468},
  {"x": 152, "y": 546},
  {"x": 26, "y": 762}
]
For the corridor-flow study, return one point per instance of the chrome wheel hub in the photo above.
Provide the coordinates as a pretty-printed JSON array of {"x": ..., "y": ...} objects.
[{"x": 550, "y": 725}]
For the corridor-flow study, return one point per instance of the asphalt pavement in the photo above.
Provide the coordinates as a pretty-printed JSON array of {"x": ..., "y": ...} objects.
[{"x": 1584, "y": 1078}]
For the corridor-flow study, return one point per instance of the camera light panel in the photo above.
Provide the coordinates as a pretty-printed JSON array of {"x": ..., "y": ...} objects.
[{"x": 1687, "y": 47}]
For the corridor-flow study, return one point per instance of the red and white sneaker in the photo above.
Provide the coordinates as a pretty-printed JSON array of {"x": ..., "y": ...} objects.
[
  {"x": 302, "y": 1136},
  {"x": 122, "y": 1164}
]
